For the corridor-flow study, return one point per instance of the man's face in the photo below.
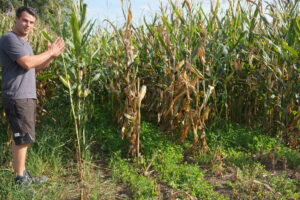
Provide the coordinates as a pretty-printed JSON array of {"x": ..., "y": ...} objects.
[{"x": 24, "y": 23}]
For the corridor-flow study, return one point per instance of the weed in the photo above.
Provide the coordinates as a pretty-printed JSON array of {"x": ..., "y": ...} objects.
[{"x": 141, "y": 187}]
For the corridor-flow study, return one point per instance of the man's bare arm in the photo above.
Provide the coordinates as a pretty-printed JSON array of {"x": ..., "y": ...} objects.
[
  {"x": 44, "y": 65},
  {"x": 43, "y": 59}
]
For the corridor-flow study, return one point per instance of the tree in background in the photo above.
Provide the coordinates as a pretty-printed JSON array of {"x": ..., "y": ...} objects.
[{"x": 44, "y": 8}]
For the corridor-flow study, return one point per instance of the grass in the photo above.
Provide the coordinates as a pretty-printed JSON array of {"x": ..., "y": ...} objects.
[{"x": 53, "y": 155}]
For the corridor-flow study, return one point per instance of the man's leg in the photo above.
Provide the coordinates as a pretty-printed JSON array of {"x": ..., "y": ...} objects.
[
  {"x": 19, "y": 157},
  {"x": 21, "y": 116}
]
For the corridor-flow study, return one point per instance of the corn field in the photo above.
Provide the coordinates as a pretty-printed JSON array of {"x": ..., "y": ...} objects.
[
  {"x": 184, "y": 69},
  {"x": 199, "y": 69}
]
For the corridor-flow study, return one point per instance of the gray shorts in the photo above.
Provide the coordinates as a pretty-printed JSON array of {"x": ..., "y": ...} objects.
[{"x": 21, "y": 114}]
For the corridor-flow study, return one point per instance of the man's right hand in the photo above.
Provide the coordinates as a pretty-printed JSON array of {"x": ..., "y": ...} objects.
[{"x": 57, "y": 47}]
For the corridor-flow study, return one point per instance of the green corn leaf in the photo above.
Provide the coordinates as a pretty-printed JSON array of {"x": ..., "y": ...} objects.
[
  {"x": 96, "y": 77},
  {"x": 298, "y": 23},
  {"x": 87, "y": 33},
  {"x": 53, "y": 24},
  {"x": 76, "y": 34},
  {"x": 178, "y": 14},
  {"x": 83, "y": 15},
  {"x": 64, "y": 81},
  {"x": 253, "y": 23},
  {"x": 204, "y": 14},
  {"x": 167, "y": 24},
  {"x": 289, "y": 49},
  {"x": 45, "y": 76},
  {"x": 229, "y": 77},
  {"x": 47, "y": 37},
  {"x": 215, "y": 11},
  {"x": 291, "y": 35},
  {"x": 158, "y": 36},
  {"x": 242, "y": 35}
]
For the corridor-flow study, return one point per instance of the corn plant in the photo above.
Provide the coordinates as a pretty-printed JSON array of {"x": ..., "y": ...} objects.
[
  {"x": 77, "y": 74},
  {"x": 125, "y": 86}
]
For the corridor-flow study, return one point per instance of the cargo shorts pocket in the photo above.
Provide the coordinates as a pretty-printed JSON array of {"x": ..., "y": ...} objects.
[{"x": 22, "y": 138}]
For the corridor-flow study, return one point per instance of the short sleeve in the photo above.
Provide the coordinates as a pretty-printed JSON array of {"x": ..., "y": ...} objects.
[{"x": 14, "y": 48}]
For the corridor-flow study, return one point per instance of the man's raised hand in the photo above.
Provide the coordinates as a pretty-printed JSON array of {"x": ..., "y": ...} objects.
[{"x": 57, "y": 47}]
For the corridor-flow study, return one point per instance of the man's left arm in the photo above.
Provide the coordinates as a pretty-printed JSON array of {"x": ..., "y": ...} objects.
[{"x": 44, "y": 64}]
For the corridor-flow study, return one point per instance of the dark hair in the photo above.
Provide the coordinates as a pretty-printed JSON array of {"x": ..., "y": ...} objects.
[{"x": 31, "y": 11}]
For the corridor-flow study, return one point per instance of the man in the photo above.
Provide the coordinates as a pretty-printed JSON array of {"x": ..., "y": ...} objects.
[{"x": 19, "y": 86}]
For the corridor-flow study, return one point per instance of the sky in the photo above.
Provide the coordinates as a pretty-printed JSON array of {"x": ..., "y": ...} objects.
[{"x": 111, "y": 9}]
